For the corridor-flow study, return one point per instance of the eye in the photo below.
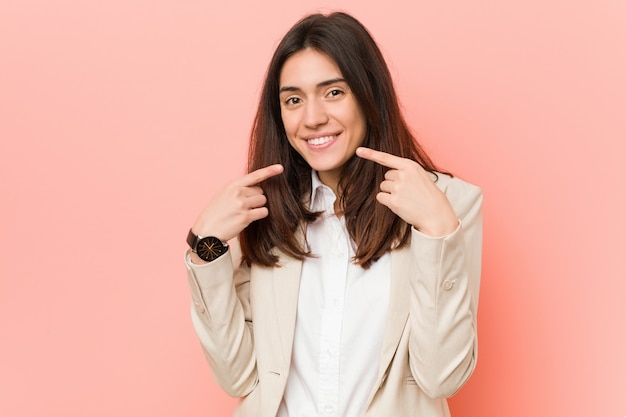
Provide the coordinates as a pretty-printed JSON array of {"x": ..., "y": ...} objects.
[
  {"x": 292, "y": 101},
  {"x": 335, "y": 92}
]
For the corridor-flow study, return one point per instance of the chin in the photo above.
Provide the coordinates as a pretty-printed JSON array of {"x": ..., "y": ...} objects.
[
  {"x": 325, "y": 167},
  {"x": 325, "y": 164}
]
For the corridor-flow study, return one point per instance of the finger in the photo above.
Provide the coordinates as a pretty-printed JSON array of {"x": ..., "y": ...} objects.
[
  {"x": 392, "y": 175},
  {"x": 259, "y": 175},
  {"x": 384, "y": 199},
  {"x": 257, "y": 214},
  {"x": 251, "y": 191},
  {"x": 382, "y": 158},
  {"x": 386, "y": 187},
  {"x": 256, "y": 201}
]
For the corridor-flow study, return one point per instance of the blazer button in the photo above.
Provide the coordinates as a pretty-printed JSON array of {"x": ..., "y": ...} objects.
[
  {"x": 199, "y": 307},
  {"x": 448, "y": 284}
]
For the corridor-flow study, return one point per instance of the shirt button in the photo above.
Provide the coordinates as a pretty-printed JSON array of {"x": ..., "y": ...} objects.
[{"x": 328, "y": 408}]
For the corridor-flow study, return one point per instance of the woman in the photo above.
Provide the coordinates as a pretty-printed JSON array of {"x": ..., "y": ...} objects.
[{"x": 349, "y": 283}]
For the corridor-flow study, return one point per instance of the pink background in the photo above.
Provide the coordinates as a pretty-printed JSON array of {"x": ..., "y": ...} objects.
[{"x": 118, "y": 119}]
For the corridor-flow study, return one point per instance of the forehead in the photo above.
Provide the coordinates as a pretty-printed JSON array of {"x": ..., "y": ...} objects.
[{"x": 308, "y": 67}]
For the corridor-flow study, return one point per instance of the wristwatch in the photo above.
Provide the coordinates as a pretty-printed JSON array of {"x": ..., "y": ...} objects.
[{"x": 207, "y": 248}]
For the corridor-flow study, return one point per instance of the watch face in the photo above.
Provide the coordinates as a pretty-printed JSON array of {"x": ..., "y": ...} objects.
[{"x": 210, "y": 248}]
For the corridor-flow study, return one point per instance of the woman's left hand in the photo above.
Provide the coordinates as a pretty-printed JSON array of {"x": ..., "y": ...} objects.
[{"x": 409, "y": 191}]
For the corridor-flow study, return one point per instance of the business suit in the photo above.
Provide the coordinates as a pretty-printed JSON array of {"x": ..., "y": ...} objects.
[{"x": 245, "y": 319}]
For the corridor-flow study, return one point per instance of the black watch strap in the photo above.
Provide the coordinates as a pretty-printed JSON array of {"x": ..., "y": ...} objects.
[{"x": 192, "y": 240}]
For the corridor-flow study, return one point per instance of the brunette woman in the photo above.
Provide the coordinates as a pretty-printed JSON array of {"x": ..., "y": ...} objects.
[{"x": 340, "y": 276}]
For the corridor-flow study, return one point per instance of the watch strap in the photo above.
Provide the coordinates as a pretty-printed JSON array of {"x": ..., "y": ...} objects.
[{"x": 192, "y": 240}]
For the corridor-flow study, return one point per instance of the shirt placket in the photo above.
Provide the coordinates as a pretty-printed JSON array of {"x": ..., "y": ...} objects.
[{"x": 332, "y": 318}]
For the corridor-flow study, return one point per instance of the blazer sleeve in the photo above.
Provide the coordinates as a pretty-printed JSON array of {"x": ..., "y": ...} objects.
[
  {"x": 445, "y": 279},
  {"x": 221, "y": 317}
]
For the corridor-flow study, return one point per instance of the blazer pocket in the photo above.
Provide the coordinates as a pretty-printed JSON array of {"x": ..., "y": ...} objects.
[{"x": 410, "y": 380}]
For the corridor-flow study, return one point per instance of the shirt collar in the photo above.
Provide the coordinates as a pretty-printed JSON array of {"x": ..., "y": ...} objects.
[{"x": 322, "y": 197}]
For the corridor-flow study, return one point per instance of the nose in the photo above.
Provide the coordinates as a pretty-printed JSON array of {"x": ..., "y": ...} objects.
[{"x": 315, "y": 114}]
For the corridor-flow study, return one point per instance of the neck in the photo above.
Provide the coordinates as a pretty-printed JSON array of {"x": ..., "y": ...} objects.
[{"x": 331, "y": 180}]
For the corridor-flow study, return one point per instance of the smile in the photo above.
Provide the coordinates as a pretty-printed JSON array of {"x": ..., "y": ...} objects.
[{"x": 321, "y": 140}]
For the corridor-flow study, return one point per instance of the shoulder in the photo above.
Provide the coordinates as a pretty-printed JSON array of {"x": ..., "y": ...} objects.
[
  {"x": 463, "y": 196},
  {"x": 454, "y": 187}
]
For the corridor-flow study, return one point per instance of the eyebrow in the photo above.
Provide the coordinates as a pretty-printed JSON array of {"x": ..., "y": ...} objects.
[{"x": 322, "y": 84}]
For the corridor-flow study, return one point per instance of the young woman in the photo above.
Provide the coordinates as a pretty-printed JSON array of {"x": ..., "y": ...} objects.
[{"x": 340, "y": 276}]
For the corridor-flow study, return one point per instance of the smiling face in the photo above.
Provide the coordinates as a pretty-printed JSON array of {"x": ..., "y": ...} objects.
[{"x": 322, "y": 118}]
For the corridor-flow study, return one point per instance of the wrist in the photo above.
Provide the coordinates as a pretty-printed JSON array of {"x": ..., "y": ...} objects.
[
  {"x": 195, "y": 259},
  {"x": 439, "y": 230}
]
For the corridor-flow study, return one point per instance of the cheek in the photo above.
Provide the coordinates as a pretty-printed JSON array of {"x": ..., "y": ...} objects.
[
  {"x": 361, "y": 127},
  {"x": 355, "y": 118},
  {"x": 291, "y": 142},
  {"x": 291, "y": 138},
  {"x": 289, "y": 124}
]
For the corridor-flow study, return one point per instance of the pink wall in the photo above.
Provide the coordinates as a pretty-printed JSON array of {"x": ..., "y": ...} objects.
[{"x": 119, "y": 118}]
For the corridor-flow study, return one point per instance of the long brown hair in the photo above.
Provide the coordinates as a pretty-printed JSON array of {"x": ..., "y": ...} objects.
[{"x": 374, "y": 228}]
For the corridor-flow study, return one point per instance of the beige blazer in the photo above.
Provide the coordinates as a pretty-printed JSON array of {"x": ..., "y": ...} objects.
[{"x": 245, "y": 320}]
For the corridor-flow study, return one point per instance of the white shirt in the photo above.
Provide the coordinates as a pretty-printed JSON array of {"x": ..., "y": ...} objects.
[{"x": 340, "y": 321}]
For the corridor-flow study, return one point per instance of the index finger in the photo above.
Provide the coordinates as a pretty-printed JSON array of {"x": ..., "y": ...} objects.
[
  {"x": 259, "y": 175},
  {"x": 382, "y": 158}
]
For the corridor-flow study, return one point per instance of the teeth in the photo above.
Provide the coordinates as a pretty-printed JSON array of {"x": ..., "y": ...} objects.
[{"x": 320, "y": 141}]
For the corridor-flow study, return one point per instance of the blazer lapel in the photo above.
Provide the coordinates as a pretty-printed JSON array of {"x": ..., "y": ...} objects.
[
  {"x": 398, "y": 311},
  {"x": 286, "y": 282}
]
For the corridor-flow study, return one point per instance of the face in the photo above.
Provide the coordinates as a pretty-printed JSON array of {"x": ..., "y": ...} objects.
[{"x": 322, "y": 118}]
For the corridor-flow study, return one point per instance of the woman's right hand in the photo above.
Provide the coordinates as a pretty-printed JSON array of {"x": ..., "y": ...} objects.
[{"x": 235, "y": 206}]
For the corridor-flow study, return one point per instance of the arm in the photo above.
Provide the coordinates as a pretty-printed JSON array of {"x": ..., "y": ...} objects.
[
  {"x": 222, "y": 320},
  {"x": 220, "y": 289},
  {"x": 446, "y": 246},
  {"x": 444, "y": 297}
]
